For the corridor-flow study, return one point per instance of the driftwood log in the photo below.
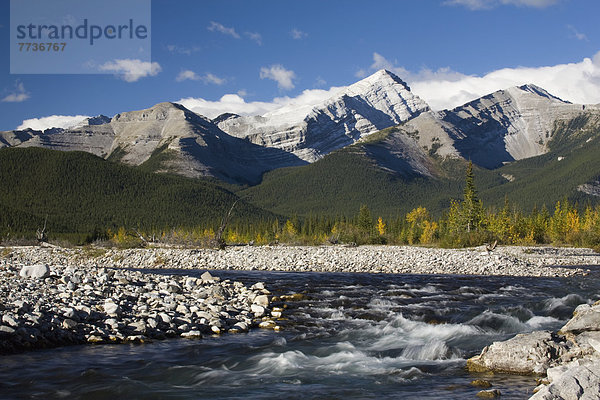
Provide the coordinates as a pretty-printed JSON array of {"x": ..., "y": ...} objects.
[
  {"x": 491, "y": 246},
  {"x": 41, "y": 234},
  {"x": 218, "y": 242}
]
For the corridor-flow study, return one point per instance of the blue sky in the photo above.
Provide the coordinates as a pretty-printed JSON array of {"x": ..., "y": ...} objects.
[{"x": 253, "y": 56}]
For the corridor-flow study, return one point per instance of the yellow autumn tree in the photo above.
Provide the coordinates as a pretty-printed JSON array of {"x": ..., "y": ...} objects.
[
  {"x": 381, "y": 226},
  {"x": 416, "y": 219},
  {"x": 291, "y": 228},
  {"x": 429, "y": 230}
]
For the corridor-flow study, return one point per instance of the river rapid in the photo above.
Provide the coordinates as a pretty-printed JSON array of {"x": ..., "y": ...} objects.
[{"x": 366, "y": 336}]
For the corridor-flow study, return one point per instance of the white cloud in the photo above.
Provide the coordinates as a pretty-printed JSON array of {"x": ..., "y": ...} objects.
[
  {"x": 131, "y": 70},
  {"x": 217, "y": 27},
  {"x": 229, "y": 103},
  {"x": 361, "y": 73},
  {"x": 255, "y": 36},
  {"x": 206, "y": 78},
  {"x": 298, "y": 34},
  {"x": 576, "y": 34},
  {"x": 211, "y": 78},
  {"x": 235, "y": 103},
  {"x": 18, "y": 95},
  {"x": 278, "y": 73},
  {"x": 488, "y": 4},
  {"x": 174, "y": 49},
  {"x": 444, "y": 88},
  {"x": 52, "y": 121},
  {"x": 187, "y": 75}
]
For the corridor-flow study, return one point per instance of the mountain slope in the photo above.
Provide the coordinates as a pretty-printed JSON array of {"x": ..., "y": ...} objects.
[
  {"x": 388, "y": 171},
  {"x": 571, "y": 162},
  {"x": 82, "y": 193},
  {"x": 343, "y": 180},
  {"x": 502, "y": 127}
]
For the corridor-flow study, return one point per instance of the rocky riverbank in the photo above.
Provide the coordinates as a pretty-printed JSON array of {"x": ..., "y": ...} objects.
[
  {"x": 513, "y": 261},
  {"x": 569, "y": 359},
  {"x": 52, "y": 296},
  {"x": 48, "y": 305}
]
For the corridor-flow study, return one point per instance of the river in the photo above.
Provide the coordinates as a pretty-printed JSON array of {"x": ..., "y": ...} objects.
[{"x": 362, "y": 336}]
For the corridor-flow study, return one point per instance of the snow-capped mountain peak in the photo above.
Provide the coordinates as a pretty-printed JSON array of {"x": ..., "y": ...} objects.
[{"x": 313, "y": 130}]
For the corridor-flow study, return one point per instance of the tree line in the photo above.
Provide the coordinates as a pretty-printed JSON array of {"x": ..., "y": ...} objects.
[{"x": 466, "y": 223}]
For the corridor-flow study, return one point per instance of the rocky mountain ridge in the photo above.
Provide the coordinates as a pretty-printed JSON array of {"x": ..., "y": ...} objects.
[
  {"x": 372, "y": 104},
  {"x": 504, "y": 126}
]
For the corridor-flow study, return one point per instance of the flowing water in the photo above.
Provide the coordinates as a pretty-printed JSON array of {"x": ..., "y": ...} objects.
[{"x": 352, "y": 336}]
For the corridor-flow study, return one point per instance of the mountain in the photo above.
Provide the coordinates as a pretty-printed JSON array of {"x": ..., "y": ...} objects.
[
  {"x": 394, "y": 129},
  {"x": 170, "y": 138},
  {"x": 15, "y": 138},
  {"x": 165, "y": 138},
  {"x": 504, "y": 126},
  {"x": 342, "y": 181},
  {"x": 312, "y": 131}
]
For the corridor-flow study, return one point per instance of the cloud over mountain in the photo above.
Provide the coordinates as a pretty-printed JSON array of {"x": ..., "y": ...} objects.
[
  {"x": 52, "y": 121},
  {"x": 444, "y": 88}
]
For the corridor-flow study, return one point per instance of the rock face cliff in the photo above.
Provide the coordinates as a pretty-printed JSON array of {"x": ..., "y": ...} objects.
[{"x": 372, "y": 104}]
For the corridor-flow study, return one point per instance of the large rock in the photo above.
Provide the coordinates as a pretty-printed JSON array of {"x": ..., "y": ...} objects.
[
  {"x": 38, "y": 271},
  {"x": 579, "y": 380},
  {"x": 585, "y": 318},
  {"x": 531, "y": 353},
  {"x": 586, "y": 343}
]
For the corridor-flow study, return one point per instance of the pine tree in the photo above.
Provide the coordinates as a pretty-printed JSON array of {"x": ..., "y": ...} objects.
[
  {"x": 472, "y": 208},
  {"x": 365, "y": 221}
]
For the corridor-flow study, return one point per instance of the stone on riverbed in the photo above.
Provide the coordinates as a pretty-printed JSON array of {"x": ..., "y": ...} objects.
[
  {"x": 69, "y": 324},
  {"x": 577, "y": 380},
  {"x": 262, "y": 300},
  {"x": 192, "y": 335},
  {"x": 207, "y": 277},
  {"x": 585, "y": 318},
  {"x": 258, "y": 311},
  {"x": 481, "y": 383},
  {"x": 38, "y": 271},
  {"x": 530, "y": 353},
  {"x": 111, "y": 304},
  {"x": 489, "y": 394}
]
